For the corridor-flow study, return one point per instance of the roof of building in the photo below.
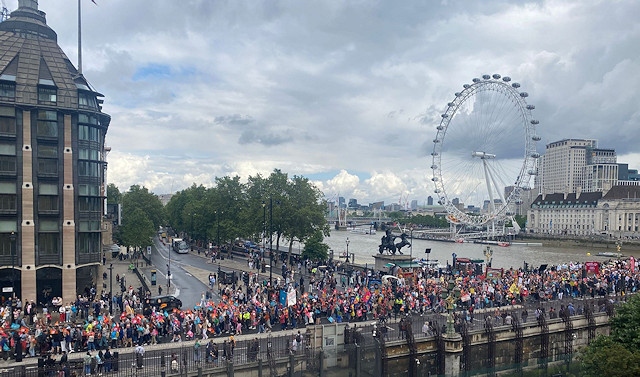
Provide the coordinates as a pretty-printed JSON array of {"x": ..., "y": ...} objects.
[
  {"x": 571, "y": 198},
  {"x": 31, "y": 58},
  {"x": 623, "y": 192}
]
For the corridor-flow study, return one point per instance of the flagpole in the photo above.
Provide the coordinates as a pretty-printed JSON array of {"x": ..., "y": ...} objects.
[{"x": 79, "y": 38}]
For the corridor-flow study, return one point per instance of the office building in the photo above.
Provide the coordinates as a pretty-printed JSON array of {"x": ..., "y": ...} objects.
[{"x": 52, "y": 164}]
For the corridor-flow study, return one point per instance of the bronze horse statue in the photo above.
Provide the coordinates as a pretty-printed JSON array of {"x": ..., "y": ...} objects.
[{"x": 386, "y": 243}]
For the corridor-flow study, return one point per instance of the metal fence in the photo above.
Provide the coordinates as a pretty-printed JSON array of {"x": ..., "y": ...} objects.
[{"x": 362, "y": 349}]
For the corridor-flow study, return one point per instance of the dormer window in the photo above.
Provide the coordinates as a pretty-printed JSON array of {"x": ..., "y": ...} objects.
[
  {"x": 87, "y": 100},
  {"x": 7, "y": 87},
  {"x": 47, "y": 92}
]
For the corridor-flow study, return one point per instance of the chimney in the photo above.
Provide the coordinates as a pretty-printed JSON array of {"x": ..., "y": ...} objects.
[{"x": 33, "y": 4}]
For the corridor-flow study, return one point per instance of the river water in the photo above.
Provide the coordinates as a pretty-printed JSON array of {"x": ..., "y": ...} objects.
[{"x": 365, "y": 246}]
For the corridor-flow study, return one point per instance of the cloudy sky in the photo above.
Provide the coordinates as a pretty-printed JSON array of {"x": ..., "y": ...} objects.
[{"x": 347, "y": 93}]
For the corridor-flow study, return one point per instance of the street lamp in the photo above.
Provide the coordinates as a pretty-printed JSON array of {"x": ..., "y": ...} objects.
[
  {"x": 191, "y": 237},
  {"x": 411, "y": 249},
  {"x": 111, "y": 288},
  {"x": 12, "y": 237},
  {"x": 271, "y": 242},
  {"x": 428, "y": 251},
  {"x": 347, "y": 242},
  {"x": 169, "y": 273},
  {"x": 264, "y": 226}
]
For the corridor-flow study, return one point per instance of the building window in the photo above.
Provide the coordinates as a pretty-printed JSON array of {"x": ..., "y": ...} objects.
[
  {"x": 89, "y": 243},
  {"x": 88, "y": 133},
  {"x": 8, "y": 198},
  {"x": 89, "y": 190},
  {"x": 8, "y": 90},
  {"x": 7, "y": 158},
  {"x": 47, "y": 124},
  {"x": 48, "y": 244},
  {"x": 47, "y": 94},
  {"x": 47, "y": 203},
  {"x": 48, "y": 151},
  {"x": 7, "y": 121},
  {"x": 48, "y": 197},
  {"x": 84, "y": 118},
  {"x": 47, "y": 166},
  {"x": 86, "y": 99},
  {"x": 88, "y": 169},
  {"x": 8, "y": 203},
  {"x": 89, "y": 154},
  {"x": 89, "y": 204},
  {"x": 48, "y": 238}
]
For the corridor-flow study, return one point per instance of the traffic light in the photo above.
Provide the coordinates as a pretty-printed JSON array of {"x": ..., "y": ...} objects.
[{"x": 245, "y": 278}]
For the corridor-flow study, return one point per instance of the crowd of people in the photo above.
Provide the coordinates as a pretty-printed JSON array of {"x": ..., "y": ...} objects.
[{"x": 302, "y": 296}]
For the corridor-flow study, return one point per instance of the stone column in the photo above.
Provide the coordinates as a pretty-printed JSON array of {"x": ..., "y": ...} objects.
[{"x": 453, "y": 352}]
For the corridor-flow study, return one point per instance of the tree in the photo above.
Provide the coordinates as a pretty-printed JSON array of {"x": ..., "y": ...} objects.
[
  {"x": 137, "y": 230},
  {"x": 314, "y": 248},
  {"x": 605, "y": 357},
  {"x": 625, "y": 324},
  {"x": 149, "y": 203},
  {"x": 306, "y": 218},
  {"x": 616, "y": 355},
  {"x": 113, "y": 194},
  {"x": 142, "y": 214}
]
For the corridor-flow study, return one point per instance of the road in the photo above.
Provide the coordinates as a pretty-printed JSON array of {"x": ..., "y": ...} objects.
[{"x": 187, "y": 287}]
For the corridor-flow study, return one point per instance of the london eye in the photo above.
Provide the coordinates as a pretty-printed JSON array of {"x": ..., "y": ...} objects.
[{"x": 484, "y": 154}]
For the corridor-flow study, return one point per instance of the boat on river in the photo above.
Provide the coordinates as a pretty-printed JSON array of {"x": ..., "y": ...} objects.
[
  {"x": 610, "y": 254},
  {"x": 360, "y": 230}
]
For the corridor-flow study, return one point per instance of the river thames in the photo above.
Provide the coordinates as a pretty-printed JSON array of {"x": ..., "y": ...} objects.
[{"x": 365, "y": 246}]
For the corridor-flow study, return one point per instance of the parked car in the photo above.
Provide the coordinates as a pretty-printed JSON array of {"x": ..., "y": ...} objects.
[{"x": 163, "y": 302}]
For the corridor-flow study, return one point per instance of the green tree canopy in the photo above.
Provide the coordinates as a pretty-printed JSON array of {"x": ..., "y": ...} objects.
[
  {"x": 616, "y": 355},
  {"x": 142, "y": 214},
  {"x": 287, "y": 208},
  {"x": 137, "y": 229},
  {"x": 314, "y": 248},
  {"x": 113, "y": 194}
]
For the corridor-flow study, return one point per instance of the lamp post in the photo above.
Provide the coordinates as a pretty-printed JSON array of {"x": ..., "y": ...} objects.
[
  {"x": 271, "y": 242},
  {"x": 347, "y": 242},
  {"x": 428, "y": 251},
  {"x": 191, "y": 237},
  {"x": 218, "y": 231},
  {"x": 488, "y": 253},
  {"x": 169, "y": 273},
  {"x": 411, "y": 249},
  {"x": 264, "y": 226},
  {"x": 111, "y": 288},
  {"x": 12, "y": 237}
]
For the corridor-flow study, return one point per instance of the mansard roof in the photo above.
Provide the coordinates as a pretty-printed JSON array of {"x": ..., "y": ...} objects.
[
  {"x": 560, "y": 200},
  {"x": 623, "y": 192}
]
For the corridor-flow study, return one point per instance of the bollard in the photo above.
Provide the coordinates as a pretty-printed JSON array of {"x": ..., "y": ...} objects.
[
  {"x": 199, "y": 371},
  {"x": 292, "y": 363},
  {"x": 260, "y": 367},
  {"x": 230, "y": 368},
  {"x": 358, "y": 360},
  {"x": 321, "y": 363},
  {"x": 163, "y": 365}
]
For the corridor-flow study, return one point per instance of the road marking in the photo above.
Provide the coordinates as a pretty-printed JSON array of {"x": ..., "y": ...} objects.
[{"x": 188, "y": 274}]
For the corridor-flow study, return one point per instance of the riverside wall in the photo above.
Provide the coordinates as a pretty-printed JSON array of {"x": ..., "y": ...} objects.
[{"x": 500, "y": 350}]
